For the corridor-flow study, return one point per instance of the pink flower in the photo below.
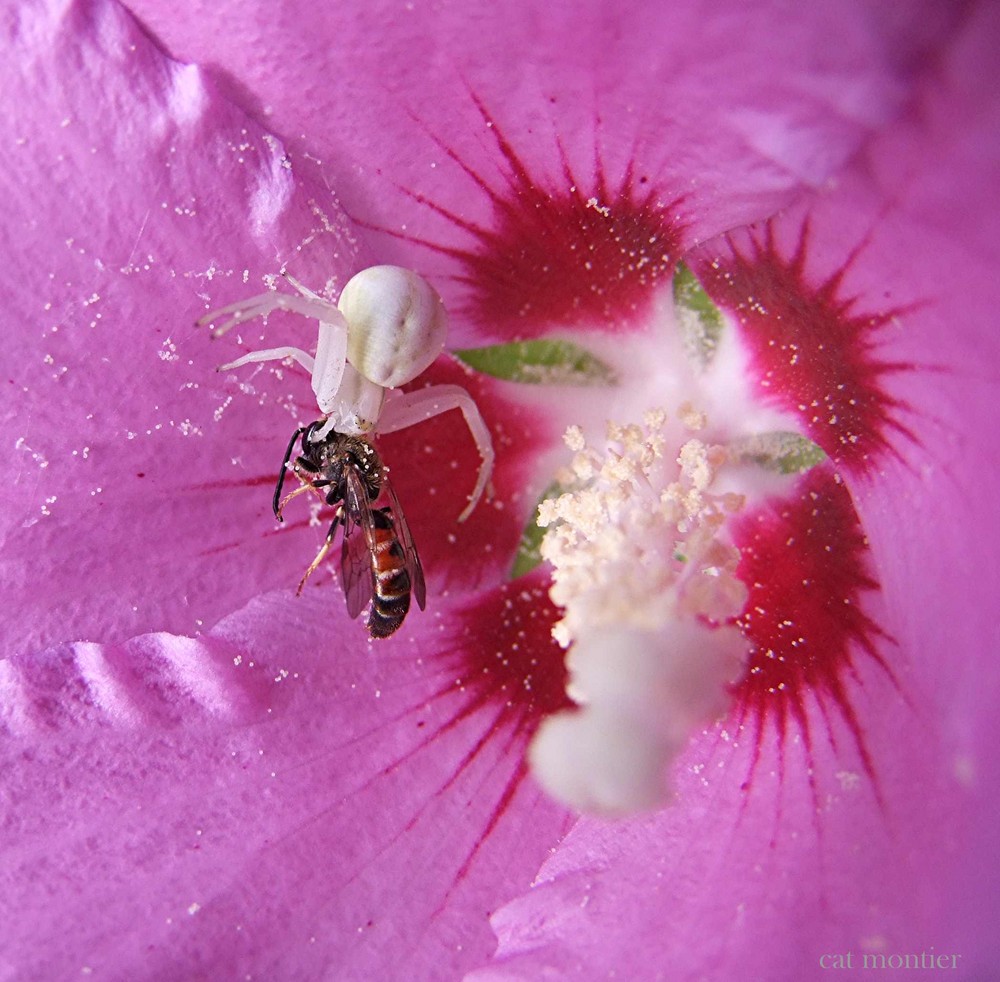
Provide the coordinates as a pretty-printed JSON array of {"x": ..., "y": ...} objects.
[{"x": 209, "y": 777}]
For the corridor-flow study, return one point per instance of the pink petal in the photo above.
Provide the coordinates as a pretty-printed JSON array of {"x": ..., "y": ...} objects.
[
  {"x": 279, "y": 798},
  {"x": 729, "y": 885},
  {"x": 138, "y": 492},
  {"x": 113, "y": 772},
  {"x": 725, "y": 109},
  {"x": 130, "y": 187},
  {"x": 781, "y": 849}
]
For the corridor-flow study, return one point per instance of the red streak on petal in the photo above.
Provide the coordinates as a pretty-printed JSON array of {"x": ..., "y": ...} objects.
[
  {"x": 559, "y": 251},
  {"x": 814, "y": 353},
  {"x": 503, "y": 654},
  {"x": 501, "y": 672},
  {"x": 434, "y": 467},
  {"x": 233, "y": 483},
  {"x": 805, "y": 561}
]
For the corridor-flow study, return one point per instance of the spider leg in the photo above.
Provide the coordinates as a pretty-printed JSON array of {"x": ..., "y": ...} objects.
[
  {"x": 331, "y": 345},
  {"x": 409, "y": 408},
  {"x": 312, "y": 307},
  {"x": 302, "y": 289},
  {"x": 326, "y": 369},
  {"x": 331, "y": 361},
  {"x": 322, "y": 551},
  {"x": 272, "y": 354}
]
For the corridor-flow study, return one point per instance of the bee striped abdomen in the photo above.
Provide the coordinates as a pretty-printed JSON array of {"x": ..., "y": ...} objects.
[{"x": 391, "y": 596}]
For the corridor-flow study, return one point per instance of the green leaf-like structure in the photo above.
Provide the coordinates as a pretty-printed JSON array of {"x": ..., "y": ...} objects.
[
  {"x": 545, "y": 361},
  {"x": 700, "y": 321},
  {"x": 529, "y": 553},
  {"x": 781, "y": 452}
]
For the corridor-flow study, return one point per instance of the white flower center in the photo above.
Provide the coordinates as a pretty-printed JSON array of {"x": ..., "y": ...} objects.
[{"x": 645, "y": 574}]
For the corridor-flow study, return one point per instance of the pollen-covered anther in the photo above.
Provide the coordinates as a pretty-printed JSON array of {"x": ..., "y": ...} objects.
[
  {"x": 692, "y": 418},
  {"x": 645, "y": 573}
]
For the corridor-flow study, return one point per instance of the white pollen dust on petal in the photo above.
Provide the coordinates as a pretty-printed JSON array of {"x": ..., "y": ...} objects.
[{"x": 645, "y": 573}]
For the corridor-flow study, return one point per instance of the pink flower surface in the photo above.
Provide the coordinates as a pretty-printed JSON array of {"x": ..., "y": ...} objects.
[{"x": 206, "y": 776}]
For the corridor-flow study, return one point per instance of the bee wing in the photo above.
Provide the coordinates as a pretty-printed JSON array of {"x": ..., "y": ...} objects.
[
  {"x": 356, "y": 572},
  {"x": 413, "y": 567}
]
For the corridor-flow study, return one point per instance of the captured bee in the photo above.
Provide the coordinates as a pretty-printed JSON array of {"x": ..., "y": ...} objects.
[
  {"x": 387, "y": 327},
  {"x": 378, "y": 560}
]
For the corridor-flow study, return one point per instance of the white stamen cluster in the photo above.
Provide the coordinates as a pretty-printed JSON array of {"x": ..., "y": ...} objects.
[{"x": 646, "y": 577}]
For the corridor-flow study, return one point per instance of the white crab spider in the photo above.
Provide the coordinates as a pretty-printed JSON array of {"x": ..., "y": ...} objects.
[{"x": 386, "y": 329}]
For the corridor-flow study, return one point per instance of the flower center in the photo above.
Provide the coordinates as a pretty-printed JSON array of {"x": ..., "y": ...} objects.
[{"x": 646, "y": 575}]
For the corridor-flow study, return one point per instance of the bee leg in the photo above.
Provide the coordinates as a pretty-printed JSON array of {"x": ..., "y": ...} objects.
[
  {"x": 306, "y": 486},
  {"x": 322, "y": 552},
  {"x": 275, "y": 501}
]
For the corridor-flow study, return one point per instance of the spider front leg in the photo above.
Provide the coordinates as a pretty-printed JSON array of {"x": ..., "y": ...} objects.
[
  {"x": 307, "y": 304},
  {"x": 272, "y": 354},
  {"x": 326, "y": 369},
  {"x": 409, "y": 408}
]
